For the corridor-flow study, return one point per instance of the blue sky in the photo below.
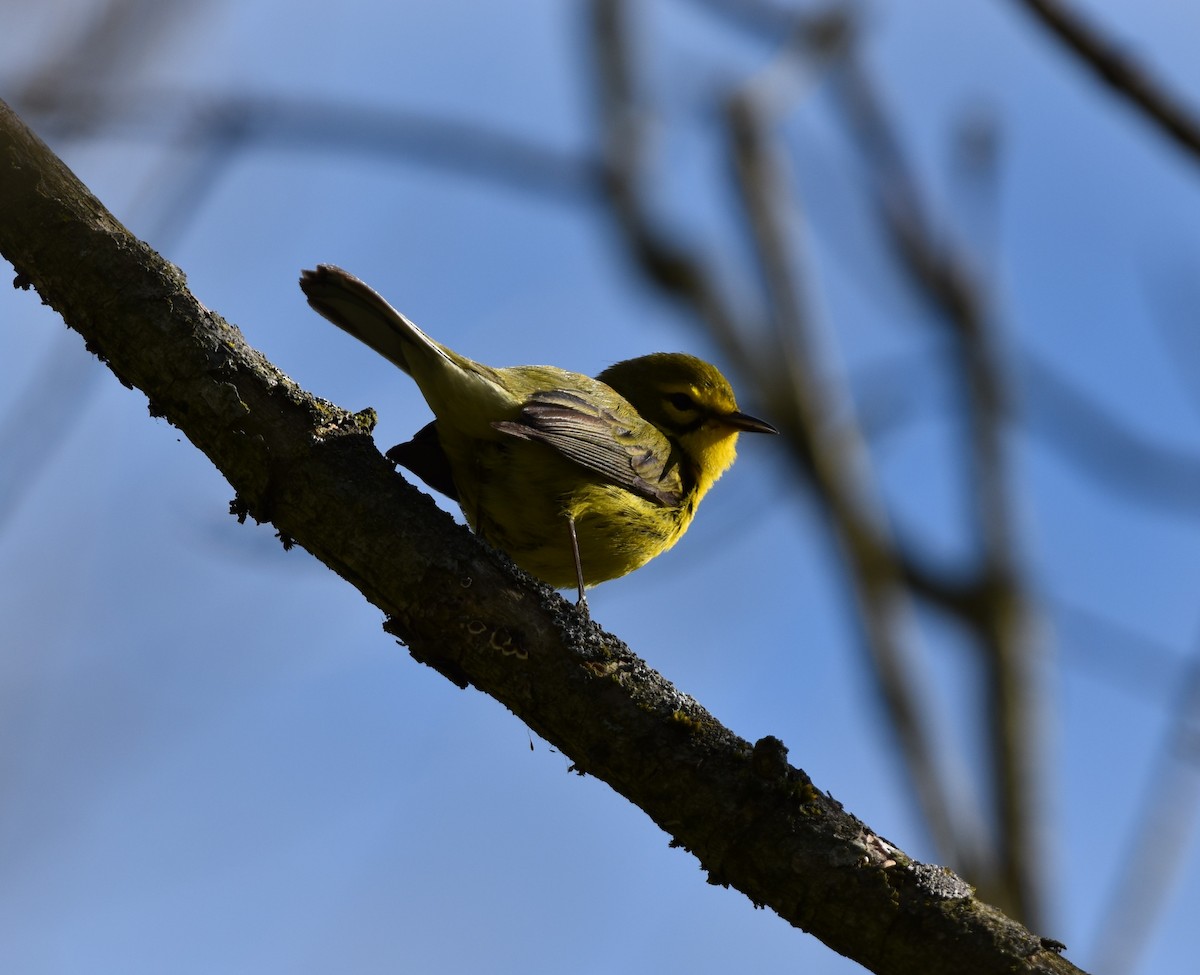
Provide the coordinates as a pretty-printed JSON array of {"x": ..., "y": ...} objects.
[{"x": 215, "y": 760}]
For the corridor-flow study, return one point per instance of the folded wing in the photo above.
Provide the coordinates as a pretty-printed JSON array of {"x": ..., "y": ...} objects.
[{"x": 618, "y": 445}]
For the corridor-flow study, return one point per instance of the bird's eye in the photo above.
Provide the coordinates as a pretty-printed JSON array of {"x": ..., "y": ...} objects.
[{"x": 682, "y": 402}]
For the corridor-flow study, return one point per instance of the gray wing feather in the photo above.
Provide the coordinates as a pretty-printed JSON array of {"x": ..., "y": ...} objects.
[{"x": 633, "y": 455}]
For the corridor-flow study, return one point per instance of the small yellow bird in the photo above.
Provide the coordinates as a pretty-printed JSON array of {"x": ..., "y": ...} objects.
[{"x": 579, "y": 480}]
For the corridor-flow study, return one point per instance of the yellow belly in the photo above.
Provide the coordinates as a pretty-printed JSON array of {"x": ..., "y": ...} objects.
[{"x": 517, "y": 496}]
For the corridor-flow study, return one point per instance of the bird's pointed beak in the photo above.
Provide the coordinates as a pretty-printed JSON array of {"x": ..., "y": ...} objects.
[{"x": 747, "y": 423}]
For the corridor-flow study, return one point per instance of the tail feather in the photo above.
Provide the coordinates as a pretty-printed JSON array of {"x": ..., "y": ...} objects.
[
  {"x": 465, "y": 396},
  {"x": 358, "y": 309}
]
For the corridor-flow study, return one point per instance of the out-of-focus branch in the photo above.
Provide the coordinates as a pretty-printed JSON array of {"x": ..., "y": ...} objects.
[
  {"x": 71, "y": 85},
  {"x": 216, "y": 122},
  {"x": 1121, "y": 73},
  {"x": 1168, "y": 819},
  {"x": 754, "y": 821},
  {"x": 821, "y": 416},
  {"x": 877, "y": 566},
  {"x": 1117, "y": 458},
  {"x": 999, "y": 614},
  {"x": 764, "y": 17},
  {"x": 666, "y": 262},
  {"x": 116, "y": 38},
  {"x": 801, "y": 399},
  {"x": 1076, "y": 425}
]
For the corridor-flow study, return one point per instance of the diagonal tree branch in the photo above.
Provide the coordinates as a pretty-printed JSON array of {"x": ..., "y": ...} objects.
[{"x": 752, "y": 820}]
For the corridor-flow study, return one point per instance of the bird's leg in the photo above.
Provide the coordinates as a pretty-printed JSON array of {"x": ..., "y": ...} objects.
[{"x": 582, "y": 604}]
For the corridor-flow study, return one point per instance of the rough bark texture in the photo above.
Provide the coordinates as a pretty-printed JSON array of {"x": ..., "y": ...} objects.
[{"x": 753, "y": 821}]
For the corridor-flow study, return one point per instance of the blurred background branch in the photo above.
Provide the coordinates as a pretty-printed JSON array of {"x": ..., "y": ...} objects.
[{"x": 1124, "y": 74}]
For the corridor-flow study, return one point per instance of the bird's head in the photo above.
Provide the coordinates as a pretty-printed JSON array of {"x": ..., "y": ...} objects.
[{"x": 691, "y": 403}]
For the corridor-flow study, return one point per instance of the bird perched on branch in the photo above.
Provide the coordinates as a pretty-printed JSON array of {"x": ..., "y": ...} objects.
[{"x": 578, "y": 480}]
